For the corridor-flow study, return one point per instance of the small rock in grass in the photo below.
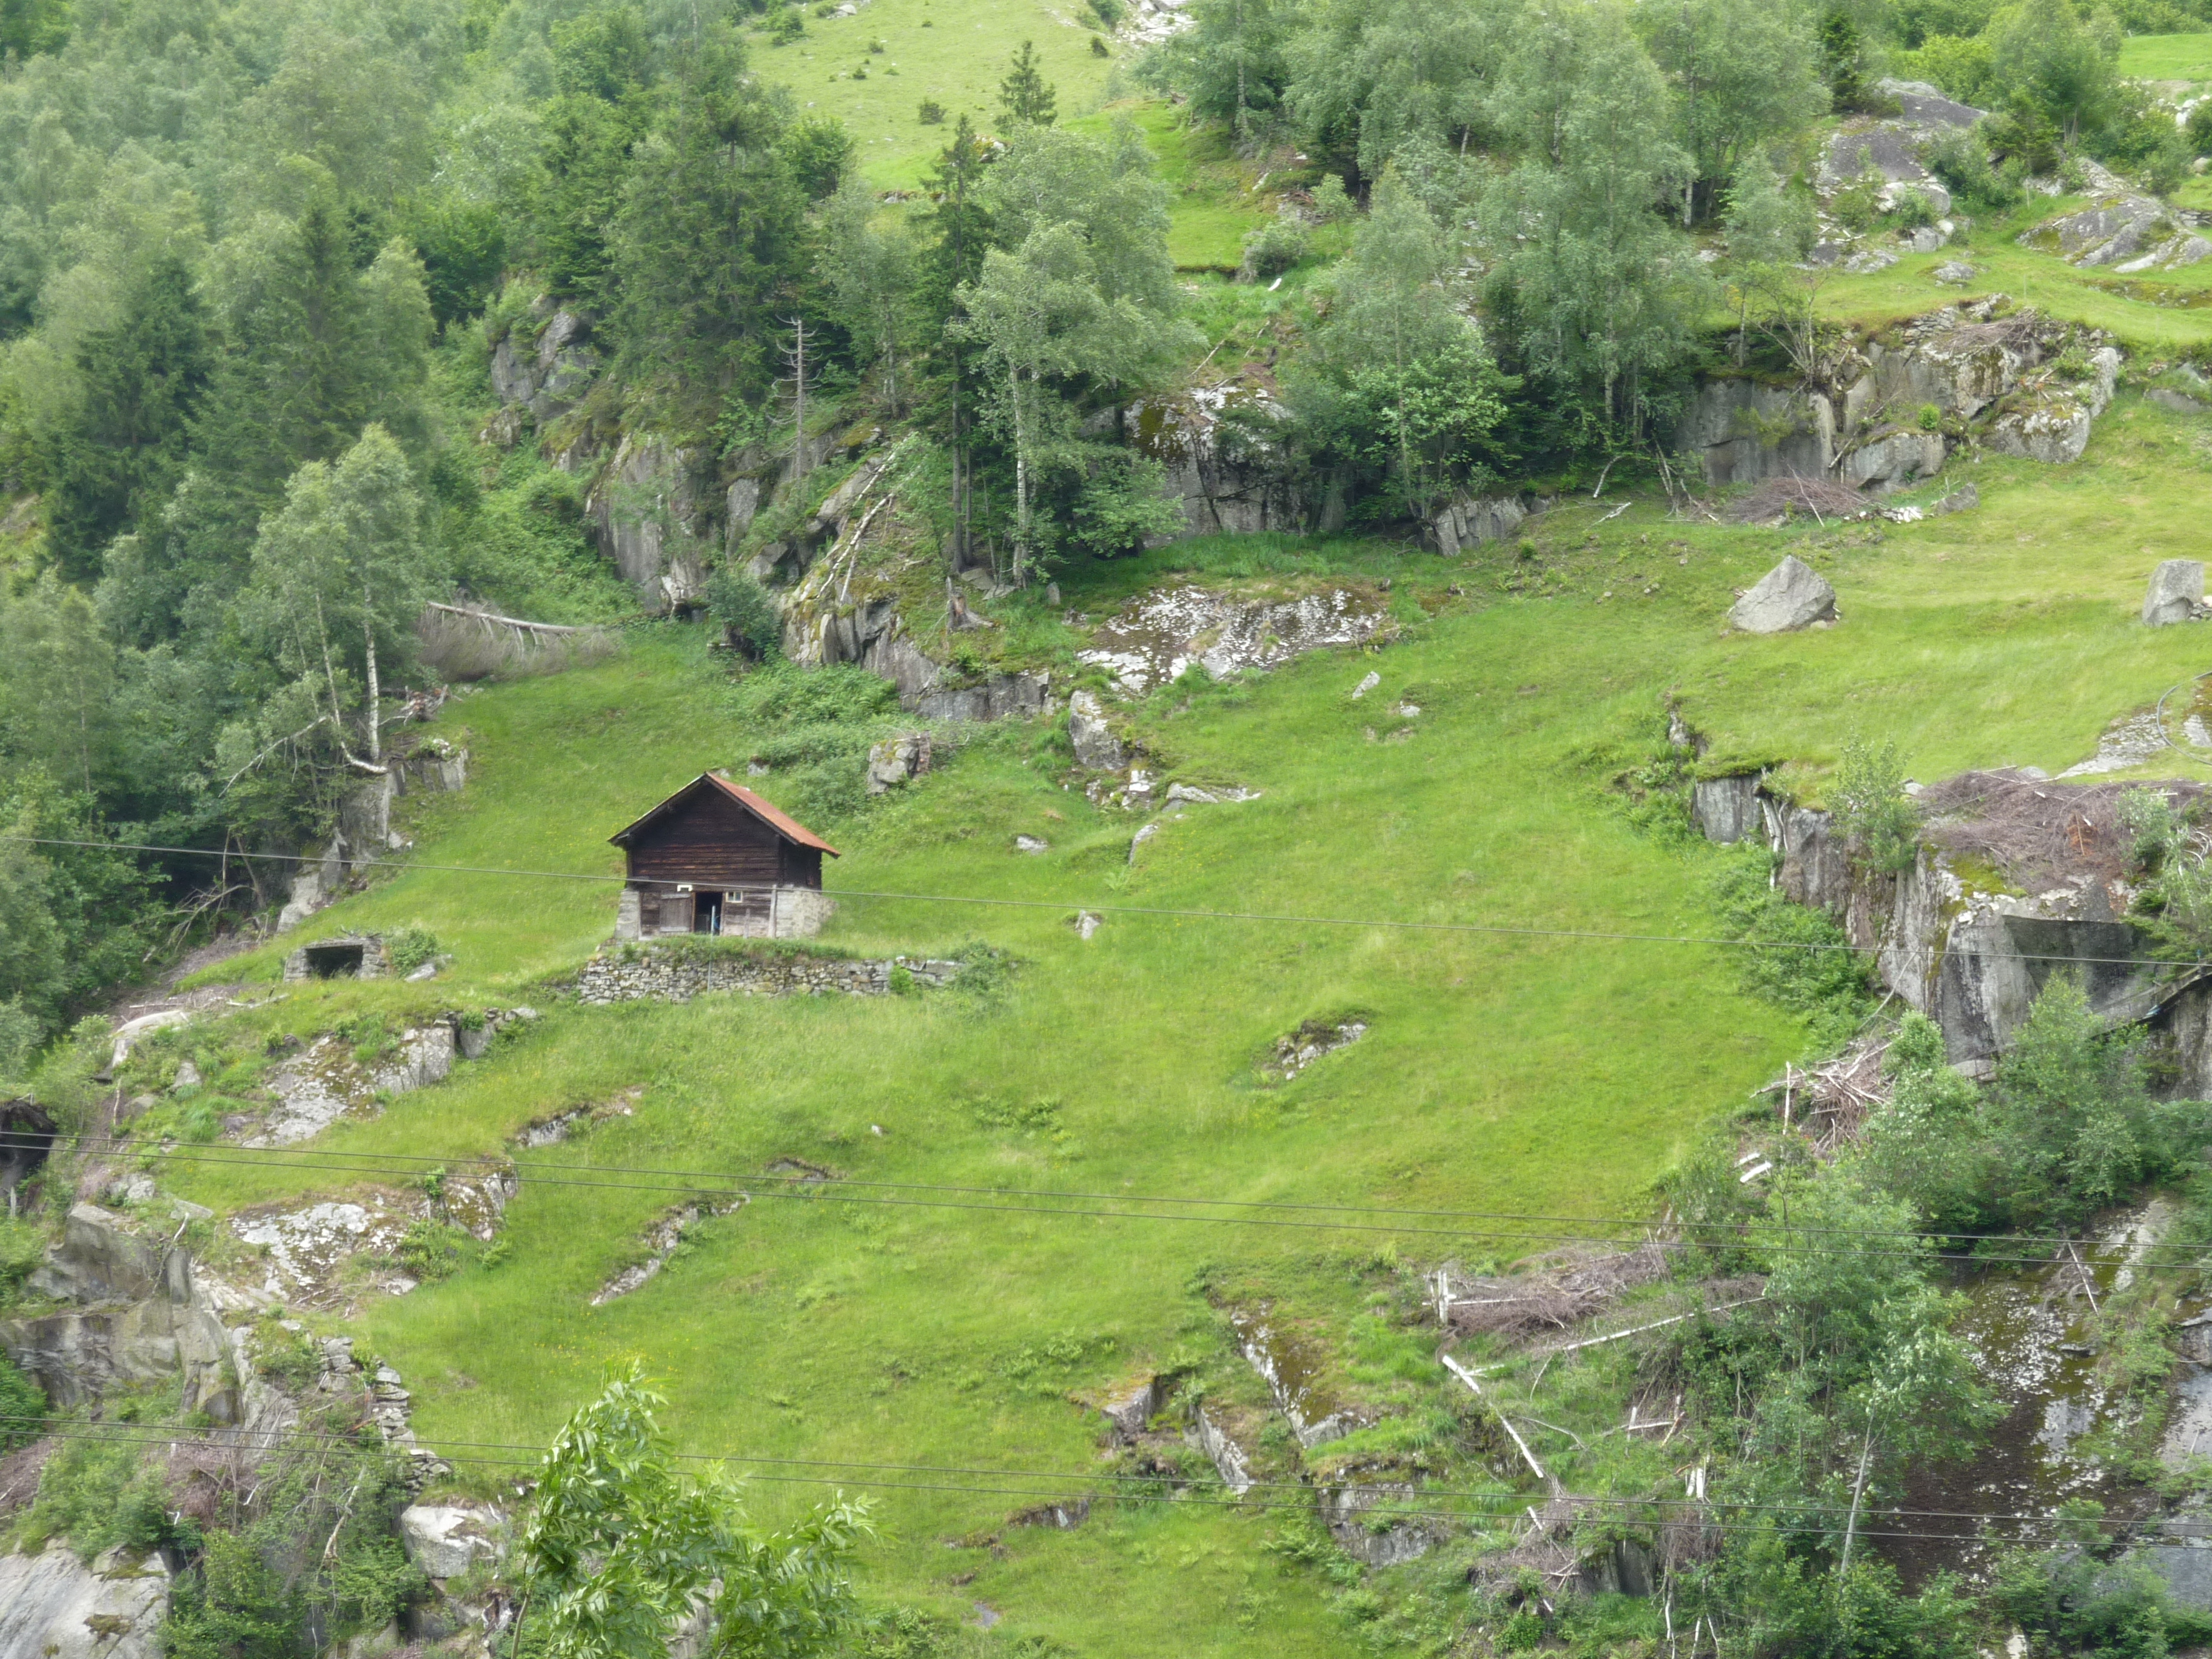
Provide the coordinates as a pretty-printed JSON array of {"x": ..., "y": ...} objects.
[
  {"x": 2177, "y": 588},
  {"x": 1031, "y": 844},
  {"x": 1365, "y": 686},
  {"x": 1955, "y": 271}
]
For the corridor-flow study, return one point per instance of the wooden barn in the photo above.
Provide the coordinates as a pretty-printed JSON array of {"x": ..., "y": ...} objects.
[{"x": 715, "y": 858}]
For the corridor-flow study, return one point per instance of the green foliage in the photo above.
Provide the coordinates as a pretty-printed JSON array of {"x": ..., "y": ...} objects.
[
  {"x": 98, "y": 1493},
  {"x": 749, "y": 620},
  {"x": 28, "y": 27},
  {"x": 23, "y": 1406},
  {"x": 2049, "y": 62},
  {"x": 619, "y": 1546},
  {"x": 1842, "y": 57},
  {"x": 1026, "y": 98},
  {"x": 819, "y": 151},
  {"x": 1871, "y": 807},
  {"x": 2072, "y": 1116},
  {"x": 930, "y": 113},
  {"x": 1274, "y": 247},
  {"x": 1799, "y": 958},
  {"x": 430, "y": 1251},
  {"x": 409, "y": 947},
  {"x": 1123, "y": 504},
  {"x": 1742, "y": 74}
]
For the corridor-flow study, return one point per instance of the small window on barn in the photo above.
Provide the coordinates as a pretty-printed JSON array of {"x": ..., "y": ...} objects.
[{"x": 339, "y": 961}]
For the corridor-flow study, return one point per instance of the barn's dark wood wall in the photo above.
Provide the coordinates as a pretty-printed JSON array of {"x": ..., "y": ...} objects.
[{"x": 712, "y": 842}]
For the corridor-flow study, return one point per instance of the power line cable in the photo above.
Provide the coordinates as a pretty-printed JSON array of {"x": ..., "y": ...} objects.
[
  {"x": 825, "y": 1195},
  {"x": 1486, "y": 929},
  {"x": 832, "y": 1191},
  {"x": 1511, "y": 1503}
]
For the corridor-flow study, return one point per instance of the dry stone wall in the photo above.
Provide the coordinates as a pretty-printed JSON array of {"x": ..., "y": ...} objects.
[{"x": 638, "y": 975}]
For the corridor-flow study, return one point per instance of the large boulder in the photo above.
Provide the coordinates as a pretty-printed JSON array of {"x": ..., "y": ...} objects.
[
  {"x": 1791, "y": 595},
  {"x": 1097, "y": 748},
  {"x": 2177, "y": 588},
  {"x": 54, "y": 1607},
  {"x": 1741, "y": 432},
  {"x": 897, "y": 760}
]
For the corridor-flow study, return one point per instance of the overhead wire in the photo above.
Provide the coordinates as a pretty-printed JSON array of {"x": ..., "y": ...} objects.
[
  {"x": 1622, "y": 1231},
  {"x": 1511, "y": 1503},
  {"x": 1487, "y": 929}
]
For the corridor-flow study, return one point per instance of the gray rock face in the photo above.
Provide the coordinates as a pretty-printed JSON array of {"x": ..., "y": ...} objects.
[
  {"x": 551, "y": 375},
  {"x": 1954, "y": 270},
  {"x": 54, "y": 1607},
  {"x": 1726, "y": 809},
  {"x": 647, "y": 512},
  {"x": 1223, "y": 485},
  {"x": 1965, "y": 499},
  {"x": 445, "y": 1541},
  {"x": 2122, "y": 229},
  {"x": 1742, "y": 432},
  {"x": 1003, "y": 696},
  {"x": 1894, "y": 458},
  {"x": 1791, "y": 595},
  {"x": 1095, "y": 745},
  {"x": 2177, "y": 588}
]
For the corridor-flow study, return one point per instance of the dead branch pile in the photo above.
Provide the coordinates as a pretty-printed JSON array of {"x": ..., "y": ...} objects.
[
  {"x": 1554, "y": 1292},
  {"x": 1778, "y": 498},
  {"x": 463, "y": 644},
  {"x": 1830, "y": 1102},
  {"x": 2036, "y": 833}
]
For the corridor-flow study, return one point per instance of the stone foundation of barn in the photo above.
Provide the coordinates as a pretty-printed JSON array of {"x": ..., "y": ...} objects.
[
  {"x": 643, "y": 973},
  {"x": 783, "y": 913}
]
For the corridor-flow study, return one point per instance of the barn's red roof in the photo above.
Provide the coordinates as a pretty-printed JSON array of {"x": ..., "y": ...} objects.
[{"x": 784, "y": 826}]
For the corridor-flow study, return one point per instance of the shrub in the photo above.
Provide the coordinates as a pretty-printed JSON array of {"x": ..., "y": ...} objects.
[
  {"x": 1098, "y": 46},
  {"x": 787, "y": 26},
  {"x": 1857, "y": 205},
  {"x": 1273, "y": 248},
  {"x": 410, "y": 947},
  {"x": 20, "y": 1407},
  {"x": 1108, "y": 12},
  {"x": 1871, "y": 806},
  {"x": 931, "y": 113},
  {"x": 1909, "y": 209},
  {"x": 1960, "y": 159},
  {"x": 2199, "y": 129},
  {"x": 1332, "y": 202},
  {"x": 1931, "y": 418},
  {"x": 748, "y": 615}
]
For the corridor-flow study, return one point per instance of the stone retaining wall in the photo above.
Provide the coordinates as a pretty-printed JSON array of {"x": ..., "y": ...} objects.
[{"x": 648, "y": 975}]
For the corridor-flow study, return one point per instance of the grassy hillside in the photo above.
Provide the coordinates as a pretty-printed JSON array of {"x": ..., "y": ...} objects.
[
  {"x": 954, "y": 54},
  {"x": 1543, "y": 1074}
]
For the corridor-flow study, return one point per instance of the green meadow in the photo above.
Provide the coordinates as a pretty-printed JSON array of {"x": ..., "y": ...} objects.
[{"x": 1524, "y": 1072}]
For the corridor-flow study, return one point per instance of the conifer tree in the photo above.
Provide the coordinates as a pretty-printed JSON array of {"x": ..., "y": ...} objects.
[{"x": 1026, "y": 97}]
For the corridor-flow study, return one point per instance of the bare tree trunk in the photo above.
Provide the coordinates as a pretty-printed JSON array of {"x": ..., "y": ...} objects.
[
  {"x": 375, "y": 735},
  {"x": 1021, "y": 483},
  {"x": 1858, "y": 1491}
]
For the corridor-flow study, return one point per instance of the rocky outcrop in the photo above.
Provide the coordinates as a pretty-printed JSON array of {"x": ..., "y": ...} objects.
[
  {"x": 546, "y": 374},
  {"x": 641, "y": 972},
  {"x": 1357, "y": 1518},
  {"x": 2031, "y": 385},
  {"x": 1469, "y": 521},
  {"x": 1792, "y": 595},
  {"x": 1740, "y": 432},
  {"x": 1971, "y": 957},
  {"x": 305, "y": 1250},
  {"x": 2049, "y": 418},
  {"x": 54, "y": 1607},
  {"x": 2121, "y": 229},
  {"x": 1089, "y": 735},
  {"x": 1224, "y": 476},
  {"x": 1156, "y": 636},
  {"x": 134, "y": 1316},
  {"x": 329, "y": 1082},
  {"x": 444, "y": 1540}
]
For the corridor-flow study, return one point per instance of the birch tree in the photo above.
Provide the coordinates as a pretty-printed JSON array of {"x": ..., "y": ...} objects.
[{"x": 342, "y": 573}]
